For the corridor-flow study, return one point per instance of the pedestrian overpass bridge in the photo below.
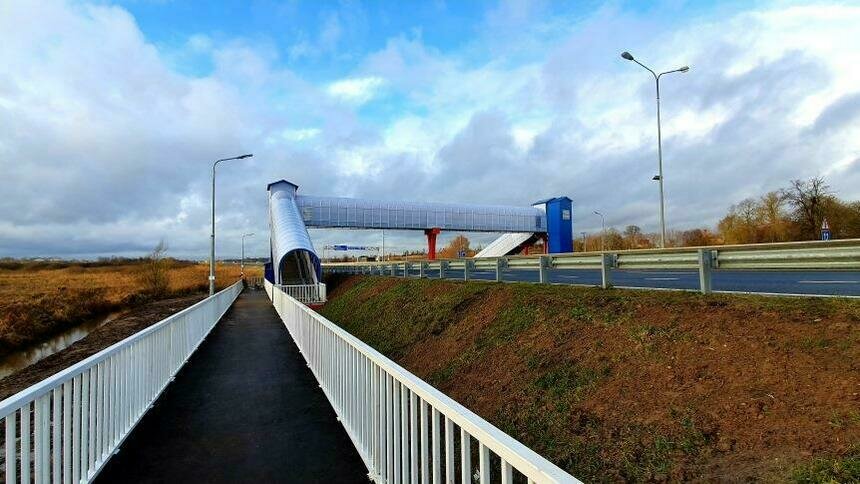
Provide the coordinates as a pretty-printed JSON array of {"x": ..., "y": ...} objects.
[{"x": 294, "y": 260}]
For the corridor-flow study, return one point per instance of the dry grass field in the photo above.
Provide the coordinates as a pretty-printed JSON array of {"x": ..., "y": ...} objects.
[{"x": 38, "y": 300}]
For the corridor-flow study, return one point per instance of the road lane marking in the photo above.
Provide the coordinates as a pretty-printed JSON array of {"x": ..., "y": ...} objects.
[
  {"x": 828, "y": 282},
  {"x": 662, "y": 278},
  {"x": 664, "y": 273}
]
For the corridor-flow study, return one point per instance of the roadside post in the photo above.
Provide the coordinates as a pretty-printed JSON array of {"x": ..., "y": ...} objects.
[
  {"x": 543, "y": 269},
  {"x": 500, "y": 263},
  {"x": 466, "y": 269},
  {"x": 706, "y": 262},
  {"x": 606, "y": 263}
]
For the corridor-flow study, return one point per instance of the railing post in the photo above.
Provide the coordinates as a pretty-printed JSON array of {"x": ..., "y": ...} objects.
[
  {"x": 706, "y": 259},
  {"x": 405, "y": 270},
  {"x": 543, "y": 268},
  {"x": 442, "y": 266},
  {"x": 421, "y": 270},
  {"x": 500, "y": 262},
  {"x": 466, "y": 269},
  {"x": 606, "y": 263}
]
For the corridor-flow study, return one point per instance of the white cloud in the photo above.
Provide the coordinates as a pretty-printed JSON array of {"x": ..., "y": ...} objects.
[
  {"x": 358, "y": 90},
  {"x": 107, "y": 149}
]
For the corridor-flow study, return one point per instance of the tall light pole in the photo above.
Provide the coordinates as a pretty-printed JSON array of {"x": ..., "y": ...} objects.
[
  {"x": 659, "y": 176},
  {"x": 243, "y": 253},
  {"x": 603, "y": 234},
  {"x": 212, "y": 236},
  {"x": 584, "y": 243}
]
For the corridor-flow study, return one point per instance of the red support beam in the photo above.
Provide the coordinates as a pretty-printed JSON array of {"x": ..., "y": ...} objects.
[{"x": 431, "y": 242}]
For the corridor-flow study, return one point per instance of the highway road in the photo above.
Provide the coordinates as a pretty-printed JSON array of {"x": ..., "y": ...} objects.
[{"x": 777, "y": 282}]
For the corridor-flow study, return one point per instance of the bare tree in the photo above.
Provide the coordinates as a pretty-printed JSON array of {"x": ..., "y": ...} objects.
[
  {"x": 632, "y": 233},
  {"x": 807, "y": 199},
  {"x": 153, "y": 273}
]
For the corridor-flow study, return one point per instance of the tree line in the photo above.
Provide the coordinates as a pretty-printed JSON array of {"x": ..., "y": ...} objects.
[{"x": 793, "y": 213}]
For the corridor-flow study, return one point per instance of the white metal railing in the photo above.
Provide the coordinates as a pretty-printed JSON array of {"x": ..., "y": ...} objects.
[
  {"x": 404, "y": 429},
  {"x": 787, "y": 256},
  {"x": 66, "y": 427},
  {"x": 305, "y": 293}
]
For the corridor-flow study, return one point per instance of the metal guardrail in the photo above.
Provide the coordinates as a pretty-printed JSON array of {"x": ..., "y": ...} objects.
[
  {"x": 304, "y": 293},
  {"x": 401, "y": 426},
  {"x": 814, "y": 255},
  {"x": 66, "y": 427}
]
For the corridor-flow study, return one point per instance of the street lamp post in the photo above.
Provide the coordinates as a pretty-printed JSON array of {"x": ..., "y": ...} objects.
[
  {"x": 603, "y": 234},
  {"x": 659, "y": 176},
  {"x": 242, "y": 264},
  {"x": 584, "y": 243},
  {"x": 212, "y": 236}
]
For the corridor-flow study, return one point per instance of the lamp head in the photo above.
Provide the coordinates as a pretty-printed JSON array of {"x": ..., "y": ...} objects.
[
  {"x": 684, "y": 69},
  {"x": 242, "y": 157},
  {"x": 626, "y": 55}
]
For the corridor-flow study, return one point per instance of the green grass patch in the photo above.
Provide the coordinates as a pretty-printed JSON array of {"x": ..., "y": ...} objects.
[{"x": 830, "y": 470}]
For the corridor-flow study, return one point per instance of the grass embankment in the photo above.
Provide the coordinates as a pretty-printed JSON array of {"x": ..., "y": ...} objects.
[
  {"x": 632, "y": 385},
  {"x": 38, "y": 300}
]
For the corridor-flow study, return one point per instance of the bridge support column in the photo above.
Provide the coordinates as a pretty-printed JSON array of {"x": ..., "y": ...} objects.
[
  {"x": 543, "y": 238},
  {"x": 431, "y": 242}
]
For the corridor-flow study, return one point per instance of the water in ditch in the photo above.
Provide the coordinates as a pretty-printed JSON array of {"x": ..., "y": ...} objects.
[{"x": 26, "y": 357}]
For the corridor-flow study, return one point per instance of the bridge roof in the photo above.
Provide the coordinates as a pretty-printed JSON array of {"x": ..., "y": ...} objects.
[{"x": 339, "y": 212}]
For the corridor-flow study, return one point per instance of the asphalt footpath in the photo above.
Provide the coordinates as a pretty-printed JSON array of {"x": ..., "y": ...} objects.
[{"x": 245, "y": 408}]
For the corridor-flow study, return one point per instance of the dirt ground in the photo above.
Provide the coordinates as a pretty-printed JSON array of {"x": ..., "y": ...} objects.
[
  {"x": 633, "y": 385},
  {"x": 116, "y": 330}
]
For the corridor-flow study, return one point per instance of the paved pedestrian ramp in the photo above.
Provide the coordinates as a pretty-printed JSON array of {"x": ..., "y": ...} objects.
[{"x": 244, "y": 409}]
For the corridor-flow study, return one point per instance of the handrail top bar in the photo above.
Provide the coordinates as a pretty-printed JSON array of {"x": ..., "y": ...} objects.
[
  {"x": 16, "y": 401},
  {"x": 502, "y": 444}
]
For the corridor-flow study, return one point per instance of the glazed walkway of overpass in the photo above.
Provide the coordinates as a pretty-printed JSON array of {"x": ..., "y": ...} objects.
[{"x": 245, "y": 408}]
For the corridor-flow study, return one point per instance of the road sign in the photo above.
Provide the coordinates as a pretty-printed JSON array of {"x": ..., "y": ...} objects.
[
  {"x": 344, "y": 247},
  {"x": 825, "y": 230}
]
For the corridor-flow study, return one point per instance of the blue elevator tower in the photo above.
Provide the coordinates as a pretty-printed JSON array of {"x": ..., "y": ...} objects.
[{"x": 559, "y": 224}]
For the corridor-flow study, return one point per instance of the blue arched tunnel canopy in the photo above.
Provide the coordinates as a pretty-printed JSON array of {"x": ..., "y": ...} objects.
[{"x": 293, "y": 254}]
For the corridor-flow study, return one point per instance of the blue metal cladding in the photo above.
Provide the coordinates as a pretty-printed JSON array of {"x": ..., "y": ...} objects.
[
  {"x": 559, "y": 218},
  {"x": 288, "y": 233},
  {"x": 375, "y": 214}
]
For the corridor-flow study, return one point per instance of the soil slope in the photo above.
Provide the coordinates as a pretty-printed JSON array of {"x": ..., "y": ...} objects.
[{"x": 632, "y": 385}]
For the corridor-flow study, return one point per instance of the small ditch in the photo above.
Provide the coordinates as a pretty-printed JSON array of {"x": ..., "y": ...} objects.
[{"x": 20, "y": 359}]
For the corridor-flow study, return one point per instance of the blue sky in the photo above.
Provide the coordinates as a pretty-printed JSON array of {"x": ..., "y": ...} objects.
[{"x": 112, "y": 112}]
